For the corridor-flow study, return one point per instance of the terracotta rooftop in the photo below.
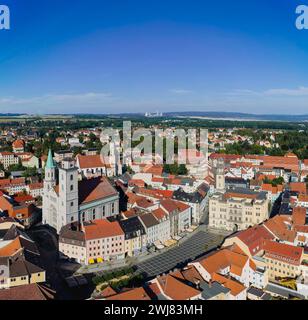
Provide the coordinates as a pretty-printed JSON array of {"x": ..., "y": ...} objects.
[
  {"x": 102, "y": 229},
  {"x": 283, "y": 252},
  {"x": 176, "y": 288},
  {"x": 95, "y": 189},
  {"x": 156, "y": 170},
  {"x": 92, "y": 161},
  {"x": 18, "y": 144},
  {"x": 222, "y": 259},
  {"x": 133, "y": 294},
  {"x": 280, "y": 226},
  {"x": 234, "y": 286},
  {"x": 171, "y": 205},
  {"x": 11, "y": 248},
  {"x": 27, "y": 292},
  {"x": 159, "y": 213},
  {"x": 36, "y": 185},
  {"x": 270, "y": 188},
  {"x": 254, "y": 237},
  {"x": 299, "y": 187},
  {"x": 299, "y": 215}
]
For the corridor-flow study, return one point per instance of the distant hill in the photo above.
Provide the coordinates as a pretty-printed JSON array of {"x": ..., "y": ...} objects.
[
  {"x": 11, "y": 114},
  {"x": 215, "y": 115},
  {"x": 240, "y": 116},
  {"x": 212, "y": 115}
]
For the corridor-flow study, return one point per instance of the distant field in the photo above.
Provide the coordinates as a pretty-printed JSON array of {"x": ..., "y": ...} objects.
[{"x": 24, "y": 118}]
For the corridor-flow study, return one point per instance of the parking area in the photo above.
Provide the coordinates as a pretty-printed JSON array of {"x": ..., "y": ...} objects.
[{"x": 180, "y": 255}]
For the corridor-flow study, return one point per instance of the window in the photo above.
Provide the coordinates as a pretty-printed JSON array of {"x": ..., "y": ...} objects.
[
  {"x": 72, "y": 187},
  {"x": 72, "y": 203},
  {"x": 72, "y": 177}
]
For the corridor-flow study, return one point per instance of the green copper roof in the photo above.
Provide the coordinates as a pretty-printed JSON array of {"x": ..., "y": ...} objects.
[{"x": 50, "y": 163}]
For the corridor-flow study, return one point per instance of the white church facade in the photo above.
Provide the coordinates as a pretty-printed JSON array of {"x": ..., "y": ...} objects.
[{"x": 67, "y": 200}]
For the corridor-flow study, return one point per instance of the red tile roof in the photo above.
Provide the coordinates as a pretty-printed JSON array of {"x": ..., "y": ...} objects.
[
  {"x": 103, "y": 228},
  {"x": 299, "y": 187},
  {"x": 11, "y": 248},
  {"x": 156, "y": 170},
  {"x": 303, "y": 198},
  {"x": 95, "y": 189},
  {"x": 37, "y": 185},
  {"x": 136, "y": 182},
  {"x": 280, "y": 226},
  {"x": 273, "y": 189},
  {"x": 27, "y": 292},
  {"x": 159, "y": 214},
  {"x": 222, "y": 259},
  {"x": 18, "y": 144},
  {"x": 171, "y": 205},
  {"x": 283, "y": 252},
  {"x": 176, "y": 289},
  {"x": 254, "y": 237},
  {"x": 234, "y": 286},
  {"x": 92, "y": 161},
  {"x": 155, "y": 193},
  {"x": 133, "y": 294},
  {"x": 299, "y": 215},
  {"x": 24, "y": 198}
]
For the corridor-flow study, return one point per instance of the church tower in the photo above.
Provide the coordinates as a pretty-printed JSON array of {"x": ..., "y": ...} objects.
[
  {"x": 220, "y": 176},
  {"x": 115, "y": 159},
  {"x": 50, "y": 173},
  {"x": 68, "y": 193},
  {"x": 49, "y": 183}
]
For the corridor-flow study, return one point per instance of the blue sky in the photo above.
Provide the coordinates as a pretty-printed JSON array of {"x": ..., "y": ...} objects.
[{"x": 99, "y": 56}]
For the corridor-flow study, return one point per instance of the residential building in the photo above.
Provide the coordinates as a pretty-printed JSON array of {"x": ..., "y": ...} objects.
[
  {"x": 282, "y": 260},
  {"x": 237, "y": 209},
  {"x": 152, "y": 228},
  {"x": 197, "y": 200},
  {"x": 135, "y": 236},
  {"x": 93, "y": 242},
  {"x": 13, "y": 186},
  {"x": 179, "y": 215},
  {"x": 8, "y": 159},
  {"x": 18, "y": 146}
]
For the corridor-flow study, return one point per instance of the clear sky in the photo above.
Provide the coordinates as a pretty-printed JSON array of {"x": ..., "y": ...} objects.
[{"x": 99, "y": 56}]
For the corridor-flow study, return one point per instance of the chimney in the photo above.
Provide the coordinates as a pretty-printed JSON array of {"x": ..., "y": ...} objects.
[{"x": 210, "y": 283}]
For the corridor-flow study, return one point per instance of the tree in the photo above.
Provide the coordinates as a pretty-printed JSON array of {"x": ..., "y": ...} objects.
[
  {"x": 175, "y": 169},
  {"x": 30, "y": 172},
  {"x": 16, "y": 167}
]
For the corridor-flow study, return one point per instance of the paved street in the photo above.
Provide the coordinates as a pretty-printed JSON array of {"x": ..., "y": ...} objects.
[
  {"x": 201, "y": 242},
  {"x": 189, "y": 248},
  {"x": 58, "y": 270}
]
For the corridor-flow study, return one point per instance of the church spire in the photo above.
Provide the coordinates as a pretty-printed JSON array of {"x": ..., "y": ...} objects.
[{"x": 50, "y": 163}]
